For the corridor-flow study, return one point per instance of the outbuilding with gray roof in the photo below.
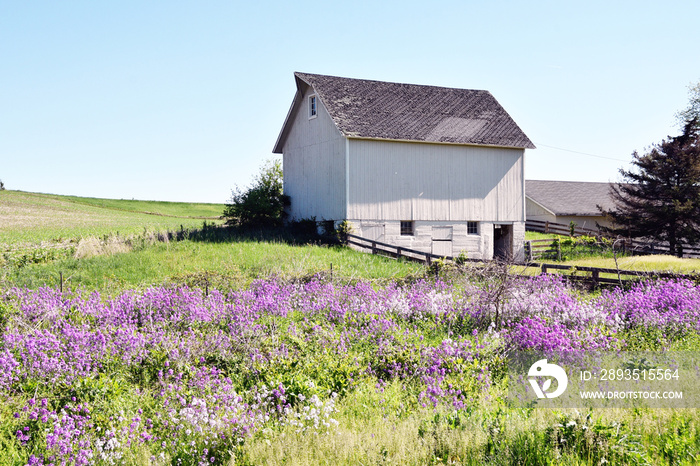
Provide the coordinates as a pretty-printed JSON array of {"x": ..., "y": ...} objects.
[{"x": 568, "y": 201}]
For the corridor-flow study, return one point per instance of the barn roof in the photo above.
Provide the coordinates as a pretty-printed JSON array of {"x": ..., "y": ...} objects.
[
  {"x": 570, "y": 197},
  {"x": 409, "y": 112}
]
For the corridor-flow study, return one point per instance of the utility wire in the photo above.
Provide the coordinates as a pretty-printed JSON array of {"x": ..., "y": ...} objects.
[{"x": 581, "y": 153}]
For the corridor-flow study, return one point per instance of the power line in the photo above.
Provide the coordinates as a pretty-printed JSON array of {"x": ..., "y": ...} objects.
[{"x": 581, "y": 153}]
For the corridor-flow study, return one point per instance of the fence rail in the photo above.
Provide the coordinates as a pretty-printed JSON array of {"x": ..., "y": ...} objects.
[
  {"x": 398, "y": 252},
  {"x": 559, "y": 228},
  {"x": 643, "y": 247},
  {"x": 592, "y": 276},
  {"x": 536, "y": 248},
  {"x": 627, "y": 245}
]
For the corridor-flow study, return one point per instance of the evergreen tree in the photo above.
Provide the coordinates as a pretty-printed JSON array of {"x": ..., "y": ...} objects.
[
  {"x": 660, "y": 196},
  {"x": 692, "y": 111}
]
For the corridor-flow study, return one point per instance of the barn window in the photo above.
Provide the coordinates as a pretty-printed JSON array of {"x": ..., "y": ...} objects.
[
  {"x": 472, "y": 228},
  {"x": 312, "y": 106},
  {"x": 406, "y": 228}
]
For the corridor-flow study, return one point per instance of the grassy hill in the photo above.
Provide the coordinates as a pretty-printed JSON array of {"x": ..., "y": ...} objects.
[
  {"x": 168, "y": 209},
  {"x": 33, "y": 217},
  {"x": 105, "y": 244}
]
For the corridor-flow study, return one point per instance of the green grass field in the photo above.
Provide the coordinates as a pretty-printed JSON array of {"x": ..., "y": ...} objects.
[
  {"x": 108, "y": 245},
  {"x": 169, "y": 209},
  {"x": 221, "y": 265},
  {"x": 29, "y": 218}
]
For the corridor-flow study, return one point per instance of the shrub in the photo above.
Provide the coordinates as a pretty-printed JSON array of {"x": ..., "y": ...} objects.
[
  {"x": 305, "y": 227},
  {"x": 342, "y": 230},
  {"x": 263, "y": 203}
]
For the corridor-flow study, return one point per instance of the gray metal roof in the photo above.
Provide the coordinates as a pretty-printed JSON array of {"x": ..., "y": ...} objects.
[
  {"x": 570, "y": 197},
  {"x": 409, "y": 112}
]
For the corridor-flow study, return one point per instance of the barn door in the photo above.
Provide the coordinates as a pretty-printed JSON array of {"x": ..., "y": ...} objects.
[
  {"x": 442, "y": 241},
  {"x": 503, "y": 242}
]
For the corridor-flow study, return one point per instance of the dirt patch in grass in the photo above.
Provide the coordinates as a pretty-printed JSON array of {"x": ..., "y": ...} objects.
[{"x": 90, "y": 247}]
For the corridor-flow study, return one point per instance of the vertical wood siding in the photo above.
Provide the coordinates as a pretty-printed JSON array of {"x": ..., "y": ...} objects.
[
  {"x": 434, "y": 182},
  {"x": 314, "y": 166}
]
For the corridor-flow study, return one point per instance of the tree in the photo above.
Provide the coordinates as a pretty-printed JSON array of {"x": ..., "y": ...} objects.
[
  {"x": 262, "y": 204},
  {"x": 660, "y": 196},
  {"x": 2, "y": 186},
  {"x": 692, "y": 111}
]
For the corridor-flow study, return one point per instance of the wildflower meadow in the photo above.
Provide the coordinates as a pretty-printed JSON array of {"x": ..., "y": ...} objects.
[{"x": 319, "y": 371}]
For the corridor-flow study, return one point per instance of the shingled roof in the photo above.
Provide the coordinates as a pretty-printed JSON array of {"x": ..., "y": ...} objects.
[
  {"x": 408, "y": 112},
  {"x": 570, "y": 197}
]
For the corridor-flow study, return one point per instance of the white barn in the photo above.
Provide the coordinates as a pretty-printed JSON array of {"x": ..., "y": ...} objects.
[{"x": 429, "y": 168}]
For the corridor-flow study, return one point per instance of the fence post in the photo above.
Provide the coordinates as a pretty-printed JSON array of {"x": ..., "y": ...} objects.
[
  {"x": 559, "y": 250},
  {"x": 529, "y": 251},
  {"x": 544, "y": 269},
  {"x": 546, "y": 227},
  {"x": 374, "y": 247},
  {"x": 595, "y": 275},
  {"x": 398, "y": 252}
]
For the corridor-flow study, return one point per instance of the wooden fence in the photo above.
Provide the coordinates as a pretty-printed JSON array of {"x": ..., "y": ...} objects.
[
  {"x": 398, "y": 252},
  {"x": 591, "y": 276},
  {"x": 536, "y": 248},
  {"x": 558, "y": 228},
  {"x": 643, "y": 247},
  {"x": 639, "y": 247},
  {"x": 597, "y": 276}
]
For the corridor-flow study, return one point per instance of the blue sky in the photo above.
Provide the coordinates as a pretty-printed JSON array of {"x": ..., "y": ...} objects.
[{"x": 182, "y": 101}]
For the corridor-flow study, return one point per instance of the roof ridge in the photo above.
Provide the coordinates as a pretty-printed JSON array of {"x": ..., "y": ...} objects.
[
  {"x": 384, "y": 110},
  {"x": 379, "y": 81}
]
